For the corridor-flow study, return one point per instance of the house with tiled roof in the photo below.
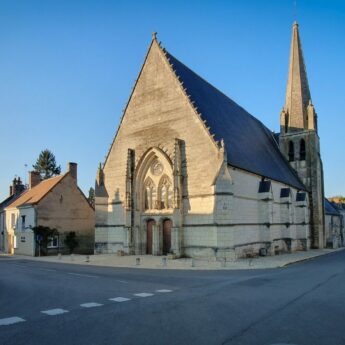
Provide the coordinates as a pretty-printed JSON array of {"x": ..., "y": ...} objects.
[
  {"x": 191, "y": 173},
  {"x": 6, "y": 240},
  {"x": 56, "y": 203}
]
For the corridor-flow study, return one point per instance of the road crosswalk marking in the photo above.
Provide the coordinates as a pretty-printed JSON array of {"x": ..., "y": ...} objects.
[
  {"x": 58, "y": 311},
  {"x": 10, "y": 320},
  {"x": 119, "y": 299},
  {"x": 163, "y": 291},
  {"x": 143, "y": 294},
  {"x": 53, "y": 312},
  {"x": 91, "y": 305}
]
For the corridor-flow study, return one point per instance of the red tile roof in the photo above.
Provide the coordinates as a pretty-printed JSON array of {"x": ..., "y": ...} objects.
[{"x": 37, "y": 193}]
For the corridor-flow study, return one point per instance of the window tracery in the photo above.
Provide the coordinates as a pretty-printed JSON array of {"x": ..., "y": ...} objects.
[
  {"x": 149, "y": 194},
  {"x": 165, "y": 192}
]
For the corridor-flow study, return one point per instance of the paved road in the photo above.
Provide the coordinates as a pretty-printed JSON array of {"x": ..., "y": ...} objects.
[{"x": 46, "y": 303}]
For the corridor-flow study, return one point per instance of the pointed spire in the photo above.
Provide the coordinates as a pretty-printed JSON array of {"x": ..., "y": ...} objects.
[{"x": 297, "y": 91}]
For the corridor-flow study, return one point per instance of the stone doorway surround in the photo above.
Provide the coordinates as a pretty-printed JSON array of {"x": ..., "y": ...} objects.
[
  {"x": 167, "y": 227},
  {"x": 157, "y": 233},
  {"x": 150, "y": 229}
]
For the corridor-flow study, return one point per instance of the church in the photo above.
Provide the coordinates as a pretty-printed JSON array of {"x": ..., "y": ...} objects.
[{"x": 191, "y": 173}]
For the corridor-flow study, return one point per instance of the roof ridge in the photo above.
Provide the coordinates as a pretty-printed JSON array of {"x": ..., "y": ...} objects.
[
  {"x": 34, "y": 197},
  {"x": 214, "y": 87},
  {"x": 231, "y": 122}
]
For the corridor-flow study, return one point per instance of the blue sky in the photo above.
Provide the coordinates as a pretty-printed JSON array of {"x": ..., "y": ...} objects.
[{"x": 67, "y": 69}]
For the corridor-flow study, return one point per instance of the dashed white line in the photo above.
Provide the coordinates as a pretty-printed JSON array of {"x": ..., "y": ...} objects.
[
  {"x": 122, "y": 281},
  {"x": 82, "y": 275},
  {"x": 10, "y": 320},
  {"x": 91, "y": 305},
  {"x": 53, "y": 312},
  {"x": 119, "y": 299},
  {"x": 143, "y": 294},
  {"x": 47, "y": 269},
  {"x": 163, "y": 291}
]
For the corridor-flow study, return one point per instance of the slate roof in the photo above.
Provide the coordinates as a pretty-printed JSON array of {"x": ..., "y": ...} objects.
[
  {"x": 249, "y": 144},
  {"x": 9, "y": 200},
  {"x": 37, "y": 193},
  {"x": 330, "y": 209}
]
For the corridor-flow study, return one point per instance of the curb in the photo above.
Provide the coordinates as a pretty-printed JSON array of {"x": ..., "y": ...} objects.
[{"x": 313, "y": 257}]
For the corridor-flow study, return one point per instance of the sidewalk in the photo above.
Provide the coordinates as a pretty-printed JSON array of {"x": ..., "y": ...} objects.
[{"x": 161, "y": 262}]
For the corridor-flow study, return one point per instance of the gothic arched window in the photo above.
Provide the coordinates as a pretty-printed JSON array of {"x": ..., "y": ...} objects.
[
  {"x": 291, "y": 151},
  {"x": 302, "y": 152},
  {"x": 149, "y": 194},
  {"x": 165, "y": 192}
]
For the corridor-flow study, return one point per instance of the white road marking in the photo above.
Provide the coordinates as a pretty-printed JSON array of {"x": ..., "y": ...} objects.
[
  {"x": 82, "y": 275},
  {"x": 122, "y": 281},
  {"x": 17, "y": 265},
  {"x": 47, "y": 269},
  {"x": 10, "y": 320},
  {"x": 119, "y": 299},
  {"x": 143, "y": 294},
  {"x": 164, "y": 290},
  {"x": 53, "y": 312},
  {"x": 91, "y": 305}
]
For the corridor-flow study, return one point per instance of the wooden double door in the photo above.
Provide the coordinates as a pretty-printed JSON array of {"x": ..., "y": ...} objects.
[{"x": 167, "y": 225}]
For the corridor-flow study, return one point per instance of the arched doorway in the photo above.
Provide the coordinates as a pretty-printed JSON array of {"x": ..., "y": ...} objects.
[
  {"x": 167, "y": 225},
  {"x": 149, "y": 227}
]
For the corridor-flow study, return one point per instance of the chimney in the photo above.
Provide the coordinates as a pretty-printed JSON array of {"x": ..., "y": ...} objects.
[
  {"x": 19, "y": 186},
  {"x": 34, "y": 179},
  {"x": 11, "y": 190},
  {"x": 14, "y": 183},
  {"x": 72, "y": 169}
]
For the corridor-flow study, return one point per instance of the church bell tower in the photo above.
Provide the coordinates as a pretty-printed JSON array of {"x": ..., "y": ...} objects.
[{"x": 299, "y": 140}]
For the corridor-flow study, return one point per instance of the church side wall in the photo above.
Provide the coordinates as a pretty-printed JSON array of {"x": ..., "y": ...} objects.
[{"x": 254, "y": 221}]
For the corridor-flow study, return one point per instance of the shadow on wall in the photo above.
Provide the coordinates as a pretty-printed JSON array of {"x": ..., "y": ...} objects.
[{"x": 57, "y": 245}]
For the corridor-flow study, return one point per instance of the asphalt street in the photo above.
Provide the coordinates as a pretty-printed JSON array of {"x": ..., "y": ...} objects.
[{"x": 48, "y": 303}]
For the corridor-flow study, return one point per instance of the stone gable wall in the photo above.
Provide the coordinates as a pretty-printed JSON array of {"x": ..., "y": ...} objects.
[
  {"x": 66, "y": 209},
  {"x": 157, "y": 113}
]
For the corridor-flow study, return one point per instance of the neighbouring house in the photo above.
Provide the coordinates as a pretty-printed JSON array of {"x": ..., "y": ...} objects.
[
  {"x": 335, "y": 230},
  {"x": 6, "y": 238},
  {"x": 190, "y": 172},
  {"x": 57, "y": 203},
  {"x": 333, "y": 225}
]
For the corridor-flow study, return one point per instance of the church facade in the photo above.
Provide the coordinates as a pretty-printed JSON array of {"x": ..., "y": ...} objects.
[{"x": 192, "y": 173}]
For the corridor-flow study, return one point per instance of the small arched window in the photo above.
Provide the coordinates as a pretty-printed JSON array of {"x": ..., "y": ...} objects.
[
  {"x": 291, "y": 151},
  {"x": 149, "y": 194},
  {"x": 165, "y": 192},
  {"x": 302, "y": 152}
]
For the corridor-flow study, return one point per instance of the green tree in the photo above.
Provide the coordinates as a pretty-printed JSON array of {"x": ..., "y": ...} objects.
[
  {"x": 46, "y": 165},
  {"x": 91, "y": 197},
  {"x": 71, "y": 241}
]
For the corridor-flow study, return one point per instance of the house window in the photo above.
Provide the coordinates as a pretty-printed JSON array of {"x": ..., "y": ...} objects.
[
  {"x": 302, "y": 150},
  {"x": 291, "y": 152},
  {"x": 53, "y": 242},
  {"x": 23, "y": 223}
]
